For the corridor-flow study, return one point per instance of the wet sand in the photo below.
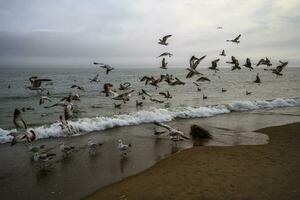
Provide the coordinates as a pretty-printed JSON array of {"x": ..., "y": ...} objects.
[
  {"x": 269, "y": 171},
  {"x": 81, "y": 174}
]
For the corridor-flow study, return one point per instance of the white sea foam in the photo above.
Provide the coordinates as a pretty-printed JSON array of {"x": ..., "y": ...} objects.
[{"x": 85, "y": 125}]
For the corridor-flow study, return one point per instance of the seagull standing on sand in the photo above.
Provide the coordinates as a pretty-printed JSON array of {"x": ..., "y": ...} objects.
[
  {"x": 66, "y": 150},
  {"x": 163, "y": 41},
  {"x": 93, "y": 146},
  {"x": 123, "y": 148}
]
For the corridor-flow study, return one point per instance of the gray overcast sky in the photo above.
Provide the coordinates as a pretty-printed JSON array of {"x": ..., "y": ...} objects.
[{"x": 124, "y": 33}]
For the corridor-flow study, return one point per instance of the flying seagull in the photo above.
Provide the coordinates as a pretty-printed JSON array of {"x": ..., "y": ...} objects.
[
  {"x": 194, "y": 62},
  {"x": 235, "y": 40},
  {"x": 164, "y": 64},
  {"x": 43, "y": 99},
  {"x": 165, "y": 54},
  {"x": 95, "y": 79},
  {"x": 214, "y": 65},
  {"x": 223, "y": 53},
  {"x": 124, "y": 86},
  {"x": 174, "y": 133},
  {"x": 257, "y": 80},
  {"x": 166, "y": 94},
  {"x": 248, "y": 64},
  {"x": 163, "y": 41},
  {"x": 36, "y": 83},
  {"x": 279, "y": 68},
  {"x": 105, "y": 66}
]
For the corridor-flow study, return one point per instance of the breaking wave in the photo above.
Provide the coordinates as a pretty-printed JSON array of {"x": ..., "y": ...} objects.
[{"x": 86, "y": 125}]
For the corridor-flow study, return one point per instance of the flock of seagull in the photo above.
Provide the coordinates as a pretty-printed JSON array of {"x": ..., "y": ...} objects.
[{"x": 43, "y": 156}]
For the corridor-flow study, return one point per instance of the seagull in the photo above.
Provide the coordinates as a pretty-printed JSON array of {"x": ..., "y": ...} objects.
[
  {"x": 235, "y": 40},
  {"x": 204, "y": 97},
  {"x": 93, "y": 146},
  {"x": 36, "y": 148},
  {"x": 165, "y": 54},
  {"x": 223, "y": 53},
  {"x": 157, "y": 133},
  {"x": 202, "y": 79},
  {"x": 214, "y": 65},
  {"x": 194, "y": 62},
  {"x": 95, "y": 79},
  {"x": 43, "y": 158},
  {"x": 68, "y": 111},
  {"x": 146, "y": 93},
  {"x": 43, "y": 99},
  {"x": 163, "y": 41},
  {"x": 124, "y": 96},
  {"x": 235, "y": 62},
  {"x": 248, "y": 93},
  {"x": 24, "y": 109},
  {"x": 36, "y": 83},
  {"x": 176, "y": 82},
  {"x": 117, "y": 105},
  {"x": 223, "y": 90},
  {"x": 21, "y": 136},
  {"x": 264, "y": 62},
  {"x": 219, "y": 27},
  {"x": 18, "y": 120},
  {"x": 279, "y": 68},
  {"x": 156, "y": 100},
  {"x": 125, "y": 86},
  {"x": 65, "y": 149},
  {"x": 77, "y": 87},
  {"x": 105, "y": 66},
  {"x": 123, "y": 148},
  {"x": 166, "y": 94},
  {"x": 138, "y": 104},
  {"x": 164, "y": 64},
  {"x": 107, "y": 89},
  {"x": 257, "y": 80},
  {"x": 174, "y": 133},
  {"x": 248, "y": 64}
]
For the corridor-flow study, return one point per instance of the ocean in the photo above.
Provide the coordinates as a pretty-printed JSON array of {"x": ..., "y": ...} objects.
[
  {"x": 96, "y": 112},
  {"x": 231, "y": 117}
]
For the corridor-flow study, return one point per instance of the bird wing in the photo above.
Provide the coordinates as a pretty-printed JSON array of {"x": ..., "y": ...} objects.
[
  {"x": 164, "y": 94},
  {"x": 237, "y": 38},
  {"x": 166, "y": 37}
]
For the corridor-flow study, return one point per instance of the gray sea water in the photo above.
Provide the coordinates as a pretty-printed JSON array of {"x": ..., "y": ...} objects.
[
  {"x": 231, "y": 117},
  {"x": 94, "y": 103}
]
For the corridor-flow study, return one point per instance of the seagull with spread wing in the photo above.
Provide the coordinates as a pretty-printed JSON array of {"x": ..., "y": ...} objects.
[
  {"x": 174, "y": 133},
  {"x": 235, "y": 40},
  {"x": 163, "y": 41}
]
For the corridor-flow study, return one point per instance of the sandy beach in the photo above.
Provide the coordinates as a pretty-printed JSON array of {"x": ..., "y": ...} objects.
[{"x": 269, "y": 171}]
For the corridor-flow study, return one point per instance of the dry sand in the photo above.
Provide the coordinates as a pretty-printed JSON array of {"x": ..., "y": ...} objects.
[{"x": 269, "y": 171}]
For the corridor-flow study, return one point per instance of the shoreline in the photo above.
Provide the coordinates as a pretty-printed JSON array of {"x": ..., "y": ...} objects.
[{"x": 209, "y": 172}]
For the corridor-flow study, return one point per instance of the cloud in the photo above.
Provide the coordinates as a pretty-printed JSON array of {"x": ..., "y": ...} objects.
[{"x": 125, "y": 33}]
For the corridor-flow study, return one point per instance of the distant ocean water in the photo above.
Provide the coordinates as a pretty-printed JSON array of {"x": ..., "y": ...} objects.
[{"x": 97, "y": 112}]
